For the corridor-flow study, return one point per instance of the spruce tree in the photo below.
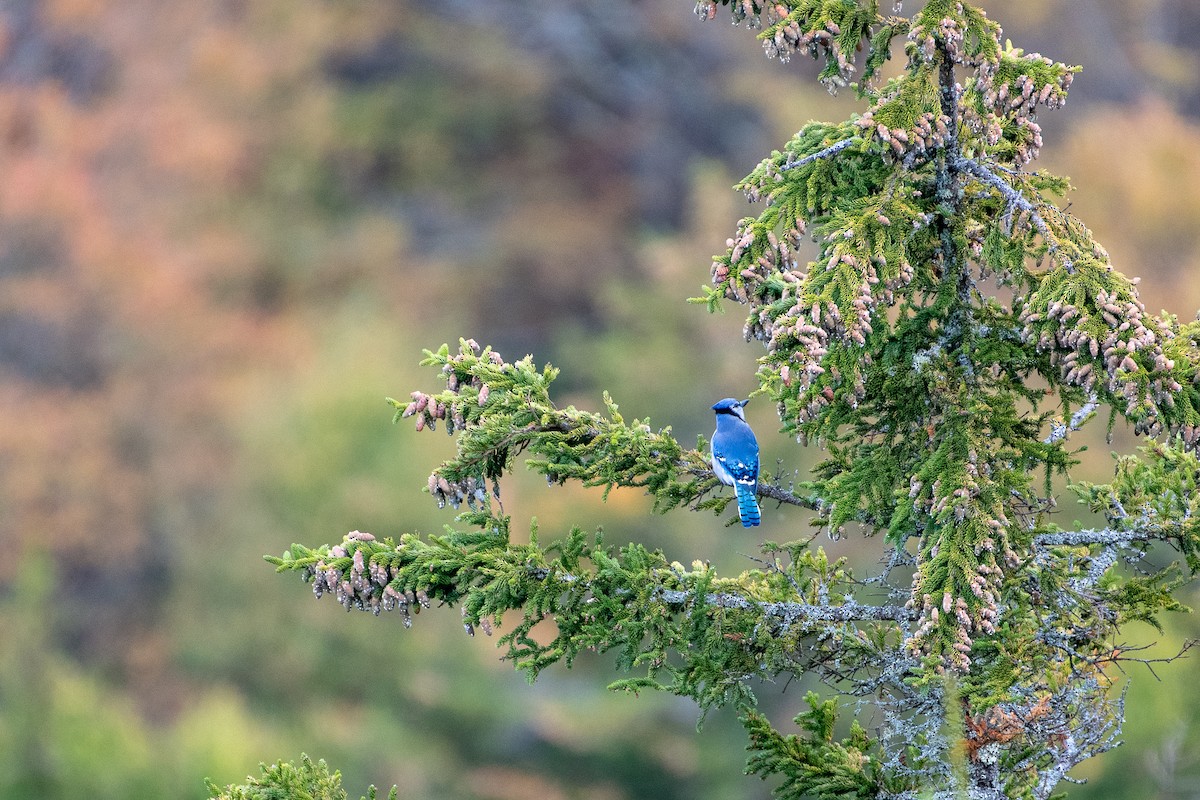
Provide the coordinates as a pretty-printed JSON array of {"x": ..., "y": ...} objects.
[{"x": 953, "y": 332}]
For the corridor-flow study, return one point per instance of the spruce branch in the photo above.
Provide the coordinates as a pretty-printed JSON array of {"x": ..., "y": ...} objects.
[
  {"x": 705, "y": 635},
  {"x": 834, "y": 32},
  {"x": 309, "y": 780},
  {"x": 501, "y": 410},
  {"x": 814, "y": 763},
  {"x": 1012, "y": 199}
]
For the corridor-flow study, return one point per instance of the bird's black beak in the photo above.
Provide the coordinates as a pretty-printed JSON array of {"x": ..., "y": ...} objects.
[{"x": 745, "y": 402}]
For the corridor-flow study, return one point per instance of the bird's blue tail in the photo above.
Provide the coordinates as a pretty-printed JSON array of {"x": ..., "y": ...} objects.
[{"x": 747, "y": 505}]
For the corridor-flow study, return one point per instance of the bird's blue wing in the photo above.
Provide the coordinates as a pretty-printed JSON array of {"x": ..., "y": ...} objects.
[{"x": 735, "y": 462}]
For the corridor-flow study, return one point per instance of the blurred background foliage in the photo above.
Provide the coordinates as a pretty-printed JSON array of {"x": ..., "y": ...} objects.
[{"x": 228, "y": 228}]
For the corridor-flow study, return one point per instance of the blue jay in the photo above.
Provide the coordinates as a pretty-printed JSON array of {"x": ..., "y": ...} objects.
[{"x": 735, "y": 457}]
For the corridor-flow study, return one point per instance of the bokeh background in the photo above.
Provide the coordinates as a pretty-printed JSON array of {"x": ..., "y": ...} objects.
[{"x": 227, "y": 230}]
